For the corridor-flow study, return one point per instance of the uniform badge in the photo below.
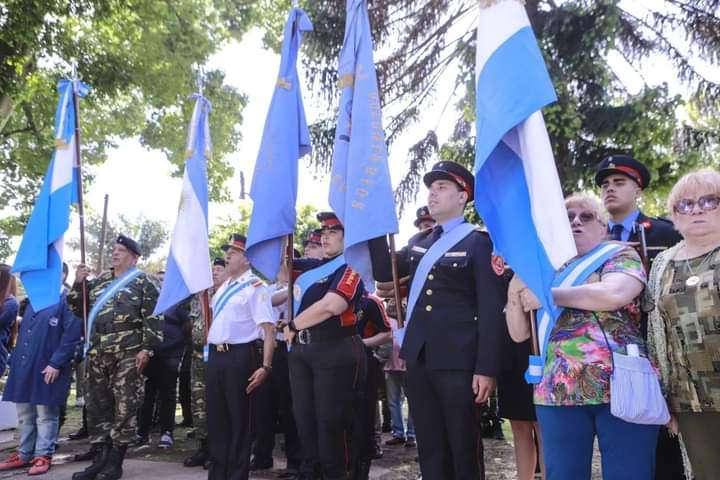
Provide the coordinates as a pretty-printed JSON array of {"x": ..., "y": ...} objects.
[
  {"x": 53, "y": 321},
  {"x": 297, "y": 291},
  {"x": 498, "y": 265}
]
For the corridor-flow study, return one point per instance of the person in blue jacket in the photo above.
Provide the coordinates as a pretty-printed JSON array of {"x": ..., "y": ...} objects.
[
  {"x": 39, "y": 381},
  {"x": 8, "y": 313}
]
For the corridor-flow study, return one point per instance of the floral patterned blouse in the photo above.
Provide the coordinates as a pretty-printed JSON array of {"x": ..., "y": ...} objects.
[{"x": 578, "y": 364}]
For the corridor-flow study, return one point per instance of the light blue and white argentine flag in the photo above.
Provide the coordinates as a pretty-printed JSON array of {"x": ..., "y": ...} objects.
[
  {"x": 39, "y": 259},
  {"x": 188, "y": 268},
  {"x": 517, "y": 189}
]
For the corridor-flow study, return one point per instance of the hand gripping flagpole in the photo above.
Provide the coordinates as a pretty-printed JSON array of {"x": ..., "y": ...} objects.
[
  {"x": 396, "y": 282},
  {"x": 81, "y": 209},
  {"x": 290, "y": 260}
]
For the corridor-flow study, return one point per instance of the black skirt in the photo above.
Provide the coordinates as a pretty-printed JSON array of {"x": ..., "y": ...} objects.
[{"x": 515, "y": 395}]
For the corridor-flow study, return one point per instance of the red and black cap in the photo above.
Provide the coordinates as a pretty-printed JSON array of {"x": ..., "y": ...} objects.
[
  {"x": 313, "y": 237},
  {"x": 422, "y": 215},
  {"x": 129, "y": 243},
  {"x": 454, "y": 172},
  {"x": 219, "y": 262},
  {"x": 624, "y": 165},
  {"x": 236, "y": 241},
  {"x": 329, "y": 221}
]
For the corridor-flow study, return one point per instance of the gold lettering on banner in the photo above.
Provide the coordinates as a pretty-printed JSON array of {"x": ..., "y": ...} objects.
[
  {"x": 347, "y": 80},
  {"x": 357, "y": 205},
  {"x": 361, "y": 192},
  {"x": 283, "y": 82},
  {"x": 371, "y": 171}
]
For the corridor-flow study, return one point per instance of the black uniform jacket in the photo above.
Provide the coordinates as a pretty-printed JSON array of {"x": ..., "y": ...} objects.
[
  {"x": 660, "y": 234},
  {"x": 457, "y": 323}
]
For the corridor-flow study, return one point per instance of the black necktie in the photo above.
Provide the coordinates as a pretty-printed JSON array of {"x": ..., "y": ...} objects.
[
  {"x": 436, "y": 233},
  {"x": 616, "y": 232}
]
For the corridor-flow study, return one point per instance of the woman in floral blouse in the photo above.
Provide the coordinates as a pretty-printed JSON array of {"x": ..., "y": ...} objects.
[{"x": 573, "y": 397}]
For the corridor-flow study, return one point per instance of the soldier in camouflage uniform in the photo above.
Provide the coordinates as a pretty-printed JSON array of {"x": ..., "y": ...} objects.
[
  {"x": 197, "y": 371},
  {"x": 122, "y": 334}
]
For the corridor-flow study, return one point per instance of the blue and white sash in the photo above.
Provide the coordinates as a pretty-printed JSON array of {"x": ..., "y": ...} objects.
[
  {"x": 576, "y": 273},
  {"x": 221, "y": 300},
  {"x": 436, "y": 250},
  {"x": 307, "y": 279},
  {"x": 109, "y": 292}
]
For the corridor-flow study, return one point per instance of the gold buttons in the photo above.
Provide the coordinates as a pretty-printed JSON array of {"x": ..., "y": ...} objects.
[
  {"x": 428, "y": 291},
  {"x": 431, "y": 277},
  {"x": 412, "y": 258},
  {"x": 428, "y": 308}
]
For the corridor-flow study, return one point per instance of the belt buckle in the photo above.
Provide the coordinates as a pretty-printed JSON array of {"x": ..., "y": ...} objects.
[
  {"x": 304, "y": 336},
  {"x": 221, "y": 347}
]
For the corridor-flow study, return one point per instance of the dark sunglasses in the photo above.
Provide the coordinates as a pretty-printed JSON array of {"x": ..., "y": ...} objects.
[
  {"x": 706, "y": 204},
  {"x": 585, "y": 217}
]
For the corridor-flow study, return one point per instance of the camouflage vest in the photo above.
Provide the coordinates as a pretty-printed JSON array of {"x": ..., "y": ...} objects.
[{"x": 691, "y": 316}]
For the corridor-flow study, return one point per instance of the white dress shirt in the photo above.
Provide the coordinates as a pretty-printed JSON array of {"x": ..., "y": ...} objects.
[{"x": 240, "y": 319}]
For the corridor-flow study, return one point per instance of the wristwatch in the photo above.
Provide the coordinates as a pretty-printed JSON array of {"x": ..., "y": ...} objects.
[
  {"x": 150, "y": 353},
  {"x": 267, "y": 368}
]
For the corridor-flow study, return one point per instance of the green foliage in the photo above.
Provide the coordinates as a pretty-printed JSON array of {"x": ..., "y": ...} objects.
[
  {"x": 419, "y": 44},
  {"x": 221, "y": 231},
  {"x": 150, "y": 235},
  {"x": 140, "y": 58}
]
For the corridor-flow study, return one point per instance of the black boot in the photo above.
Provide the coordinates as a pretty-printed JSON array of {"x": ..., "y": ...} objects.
[
  {"x": 199, "y": 457},
  {"x": 99, "y": 452},
  {"x": 362, "y": 470},
  {"x": 113, "y": 467},
  {"x": 83, "y": 432}
]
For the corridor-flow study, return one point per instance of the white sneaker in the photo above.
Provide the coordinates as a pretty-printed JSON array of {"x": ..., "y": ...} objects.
[{"x": 166, "y": 440}]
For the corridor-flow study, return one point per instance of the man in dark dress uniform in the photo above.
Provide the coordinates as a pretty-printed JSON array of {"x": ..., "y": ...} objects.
[
  {"x": 622, "y": 179},
  {"x": 423, "y": 219},
  {"x": 454, "y": 328}
]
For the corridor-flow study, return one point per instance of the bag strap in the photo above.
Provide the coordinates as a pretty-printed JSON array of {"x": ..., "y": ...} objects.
[{"x": 607, "y": 343}]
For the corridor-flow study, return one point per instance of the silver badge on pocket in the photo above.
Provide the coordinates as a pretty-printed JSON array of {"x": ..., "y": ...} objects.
[{"x": 53, "y": 321}]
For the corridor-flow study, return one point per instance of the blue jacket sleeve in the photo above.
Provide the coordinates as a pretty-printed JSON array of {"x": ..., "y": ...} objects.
[{"x": 72, "y": 330}]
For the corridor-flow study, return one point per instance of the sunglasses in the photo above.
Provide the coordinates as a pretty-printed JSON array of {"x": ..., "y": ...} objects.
[
  {"x": 585, "y": 217},
  {"x": 706, "y": 203}
]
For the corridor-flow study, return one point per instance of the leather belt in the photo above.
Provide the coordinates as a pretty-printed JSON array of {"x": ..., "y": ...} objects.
[{"x": 307, "y": 336}]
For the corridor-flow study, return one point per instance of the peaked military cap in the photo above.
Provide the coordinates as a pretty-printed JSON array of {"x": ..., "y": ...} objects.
[
  {"x": 313, "y": 237},
  {"x": 454, "y": 172},
  {"x": 236, "y": 241},
  {"x": 129, "y": 243},
  {"x": 624, "y": 165},
  {"x": 329, "y": 221},
  {"x": 422, "y": 214},
  {"x": 220, "y": 262}
]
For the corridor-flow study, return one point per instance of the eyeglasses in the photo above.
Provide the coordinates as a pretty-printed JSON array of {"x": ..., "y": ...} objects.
[
  {"x": 706, "y": 203},
  {"x": 585, "y": 217}
]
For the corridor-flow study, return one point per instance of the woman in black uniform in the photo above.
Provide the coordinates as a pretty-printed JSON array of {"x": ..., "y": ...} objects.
[{"x": 326, "y": 356}]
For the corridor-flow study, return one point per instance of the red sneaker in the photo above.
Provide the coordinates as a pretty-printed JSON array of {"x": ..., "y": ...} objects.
[
  {"x": 40, "y": 465},
  {"x": 12, "y": 462}
]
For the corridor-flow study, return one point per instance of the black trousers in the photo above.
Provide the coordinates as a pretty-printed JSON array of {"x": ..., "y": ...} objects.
[
  {"x": 273, "y": 402},
  {"x": 161, "y": 375},
  {"x": 229, "y": 411},
  {"x": 446, "y": 423},
  {"x": 324, "y": 377},
  {"x": 668, "y": 457},
  {"x": 363, "y": 444},
  {"x": 184, "y": 393}
]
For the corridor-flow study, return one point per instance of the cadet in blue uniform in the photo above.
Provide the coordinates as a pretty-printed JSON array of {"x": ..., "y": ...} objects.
[
  {"x": 374, "y": 329},
  {"x": 622, "y": 179},
  {"x": 327, "y": 356},
  {"x": 453, "y": 336}
]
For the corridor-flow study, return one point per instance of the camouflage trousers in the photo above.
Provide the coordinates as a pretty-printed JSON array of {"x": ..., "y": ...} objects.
[
  {"x": 114, "y": 395},
  {"x": 197, "y": 395}
]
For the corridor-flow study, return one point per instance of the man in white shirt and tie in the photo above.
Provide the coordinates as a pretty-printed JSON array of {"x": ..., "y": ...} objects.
[{"x": 241, "y": 309}]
